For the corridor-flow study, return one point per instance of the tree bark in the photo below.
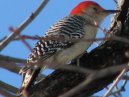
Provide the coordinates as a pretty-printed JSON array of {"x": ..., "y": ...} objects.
[{"x": 110, "y": 53}]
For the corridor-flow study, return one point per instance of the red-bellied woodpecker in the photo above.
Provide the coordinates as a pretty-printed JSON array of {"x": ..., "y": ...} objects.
[{"x": 81, "y": 24}]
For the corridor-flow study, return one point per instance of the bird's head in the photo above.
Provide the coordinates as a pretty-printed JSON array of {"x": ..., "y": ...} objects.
[{"x": 91, "y": 10}]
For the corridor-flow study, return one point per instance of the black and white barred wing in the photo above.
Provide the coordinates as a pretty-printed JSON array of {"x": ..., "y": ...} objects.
[
  {"x": 45, "y": 49},
  {"x": 69, "y": 27}
]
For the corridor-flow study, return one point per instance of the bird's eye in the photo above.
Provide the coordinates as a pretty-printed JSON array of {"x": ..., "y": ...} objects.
[{"x": 95, "y": 9}]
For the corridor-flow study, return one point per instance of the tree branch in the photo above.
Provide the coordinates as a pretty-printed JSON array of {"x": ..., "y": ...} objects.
[
  {"x": 8, "y": 87},
  {"x": 11, "y": 66},
  {"x": 92, "y": 77},
  {"x": 107, "y": 94},
  {"x": 7, "y": 40},
  {"x": 12, "y": 59},
  {"x": 5, "y": 93},
  {"x": 125, "y": 77}
]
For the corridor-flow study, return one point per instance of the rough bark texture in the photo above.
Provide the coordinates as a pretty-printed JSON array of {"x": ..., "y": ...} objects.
[{"x": 108, "y": 54}]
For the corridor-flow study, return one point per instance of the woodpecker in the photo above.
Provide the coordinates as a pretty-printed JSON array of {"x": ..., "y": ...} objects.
[{"x": 78, "y": 26}]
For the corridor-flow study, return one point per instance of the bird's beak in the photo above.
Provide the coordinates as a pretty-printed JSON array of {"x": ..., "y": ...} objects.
[{"x": 110, "y": 11}]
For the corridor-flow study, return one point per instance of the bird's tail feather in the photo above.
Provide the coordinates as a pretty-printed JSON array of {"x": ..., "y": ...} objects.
[{"x": 29, "y": 77}]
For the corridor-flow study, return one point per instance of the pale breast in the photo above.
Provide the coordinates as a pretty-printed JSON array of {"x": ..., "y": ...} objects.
[{"x": 75, "y": 50}]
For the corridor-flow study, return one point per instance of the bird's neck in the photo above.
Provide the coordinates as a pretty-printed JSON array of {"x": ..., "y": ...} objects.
[{"x": 93, "y": 20}]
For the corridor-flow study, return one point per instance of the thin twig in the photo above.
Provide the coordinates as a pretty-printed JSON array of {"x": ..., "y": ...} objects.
[
  {"x": 11, "y": 59},
  {"x": 115, "y": 83},
  {"x": 10, "y": 66},
  {"x": 122, "y": 88},
  {"x": 6, "y": 41},
  {"x": 8, "y": 87},
  {"x": 118, "y": 93},
  {"x": 126, "y": 77},
  {"x": 111, "y": 92},
  {"x": 115, "y": 1},
  {"x": 15, "y": 68},
  {"x": 117, "y": 38},
  {"x": 5, "y": 93},
  {"x": 27, "y": 37},
  {"x": 62, "y": 38},
  {"x": 26, "y": 44}
]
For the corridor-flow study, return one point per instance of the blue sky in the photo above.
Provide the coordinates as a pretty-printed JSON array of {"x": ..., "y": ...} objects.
[{"x": 14, "y": 12}]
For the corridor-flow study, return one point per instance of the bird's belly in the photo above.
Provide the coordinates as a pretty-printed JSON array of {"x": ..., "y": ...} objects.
[
  {"x": 73, "y": 52},
  {"x": 66, "y": 55},
  {"x": 69, "y": 54}
]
